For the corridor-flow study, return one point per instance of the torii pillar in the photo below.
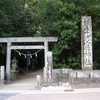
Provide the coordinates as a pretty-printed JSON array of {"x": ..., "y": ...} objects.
[
  {"x": 46, "y": 62},
  {"x": 8, "y": 61}
]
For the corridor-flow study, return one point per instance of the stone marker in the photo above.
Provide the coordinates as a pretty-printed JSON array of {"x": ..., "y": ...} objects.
[
  {"x": 86, "y": 43},
  {"x": 49, "y": 59},
  {"x": 45, "y": 74},
  {"x": 38, "y": 78},
  {"x": 2, "y": 75}
]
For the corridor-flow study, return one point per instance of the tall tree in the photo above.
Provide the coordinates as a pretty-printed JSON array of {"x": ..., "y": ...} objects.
[{"x": 59, "y": 18}]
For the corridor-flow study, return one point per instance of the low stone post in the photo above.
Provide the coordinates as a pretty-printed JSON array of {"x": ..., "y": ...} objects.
[
  {"x": 45, "y": 74},
  {"x": 38, "y": 78},
  {"x": 2, "y": 75}
]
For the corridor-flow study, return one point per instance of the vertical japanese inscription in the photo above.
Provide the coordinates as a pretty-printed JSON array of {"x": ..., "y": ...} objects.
[{"x": 86, "y": 37}]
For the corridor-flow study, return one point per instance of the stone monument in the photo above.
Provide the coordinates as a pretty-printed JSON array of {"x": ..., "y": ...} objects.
[{"x": 86, "y": 43}]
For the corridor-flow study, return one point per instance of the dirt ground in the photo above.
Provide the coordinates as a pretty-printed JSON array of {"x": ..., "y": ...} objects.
[{"x": 24, "y": 81}]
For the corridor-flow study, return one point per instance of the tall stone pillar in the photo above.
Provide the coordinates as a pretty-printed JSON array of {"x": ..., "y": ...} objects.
[
  {"x": 50, "y": 66},
  {"x": 86, "y": 43}
]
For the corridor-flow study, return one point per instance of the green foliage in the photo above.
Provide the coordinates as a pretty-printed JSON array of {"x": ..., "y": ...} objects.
[{"x": 61, "y": 18}]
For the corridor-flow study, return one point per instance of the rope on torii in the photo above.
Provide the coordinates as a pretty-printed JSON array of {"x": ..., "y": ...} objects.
[{"x": 25, "y": 55}]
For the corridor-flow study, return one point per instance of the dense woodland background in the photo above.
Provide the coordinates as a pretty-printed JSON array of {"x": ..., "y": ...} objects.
[{"x": 61, "y": 18}]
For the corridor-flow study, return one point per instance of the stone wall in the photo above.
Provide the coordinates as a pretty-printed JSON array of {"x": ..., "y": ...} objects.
[
  {"x": 82, "y": 79},
  {"x": 77, "y": 78},
  {"x": 60, "y": 75}
]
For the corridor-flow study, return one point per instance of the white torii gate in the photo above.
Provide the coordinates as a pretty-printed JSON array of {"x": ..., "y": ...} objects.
[{"x": 9, "y": 42}]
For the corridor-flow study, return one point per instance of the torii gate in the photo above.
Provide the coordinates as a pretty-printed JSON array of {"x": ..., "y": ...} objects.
[{"x": 9, "y": 42}]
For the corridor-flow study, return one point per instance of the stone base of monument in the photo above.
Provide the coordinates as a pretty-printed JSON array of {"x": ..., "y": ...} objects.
[{"x": 84, "y": 79}]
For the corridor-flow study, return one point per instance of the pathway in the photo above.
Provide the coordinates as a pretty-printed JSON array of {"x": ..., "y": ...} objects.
[{"x": 24, "y": 82}]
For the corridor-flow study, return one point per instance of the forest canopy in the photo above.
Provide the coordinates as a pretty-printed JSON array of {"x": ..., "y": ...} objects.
[{"x": 61, "y": 18}]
